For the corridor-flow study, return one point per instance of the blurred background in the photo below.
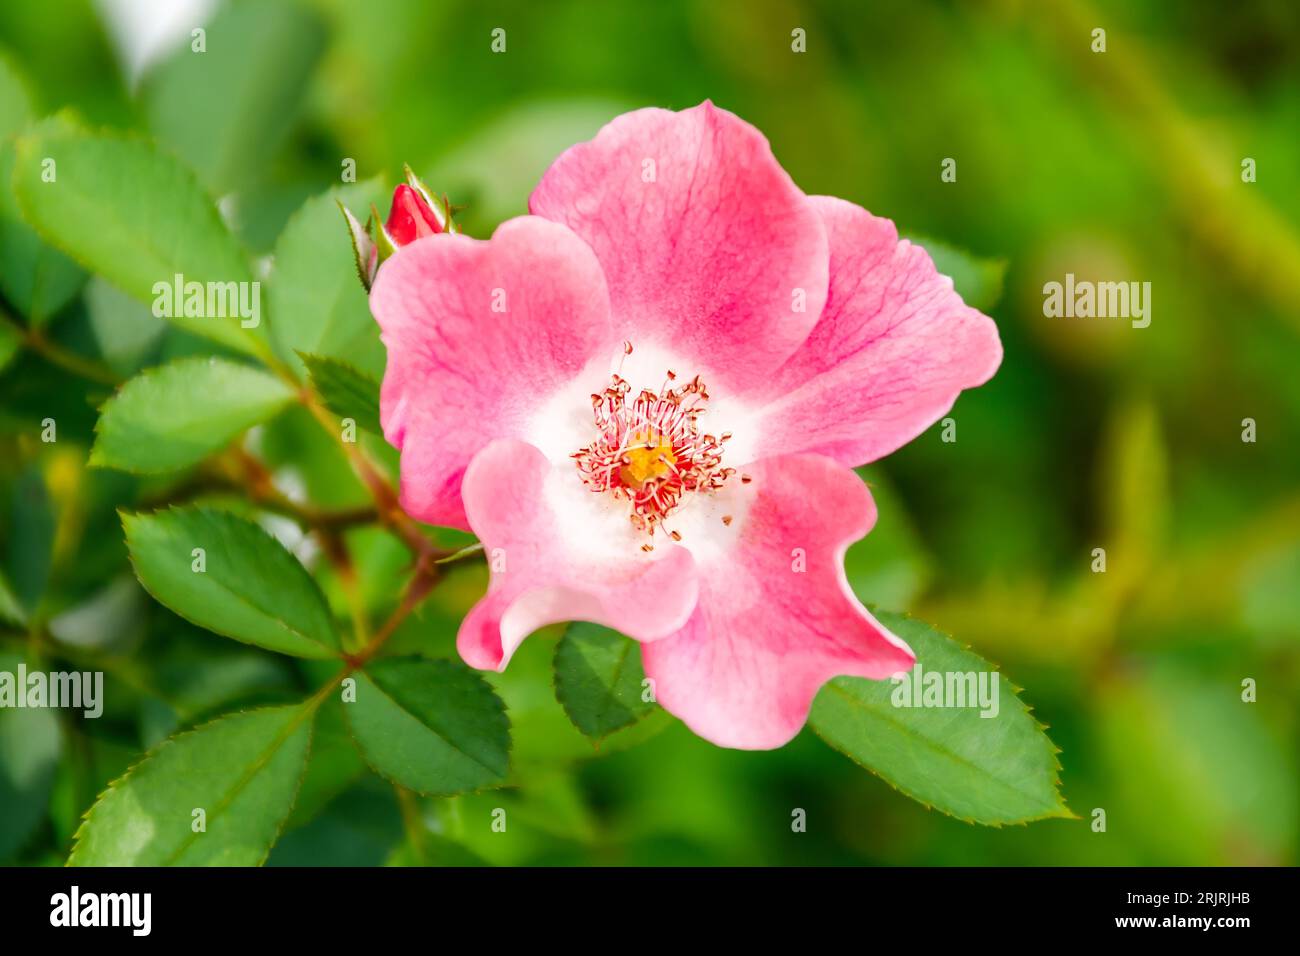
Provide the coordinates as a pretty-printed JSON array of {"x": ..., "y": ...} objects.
[{"x": 1124, "y": 165}]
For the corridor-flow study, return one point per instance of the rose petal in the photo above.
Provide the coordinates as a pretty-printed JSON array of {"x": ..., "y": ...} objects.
[
  {"x": 712, "y": 258},
  {"x": 558, "y": 552},
  {"x": 479, "y": 335},
  {"x": 765, "y": 635},
  {"x": 894, "y": 347}
]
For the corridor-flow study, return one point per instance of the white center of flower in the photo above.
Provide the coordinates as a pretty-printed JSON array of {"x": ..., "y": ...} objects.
[
  {"x": 614, "y": 452},
  {"x": 651, "y": 452}
]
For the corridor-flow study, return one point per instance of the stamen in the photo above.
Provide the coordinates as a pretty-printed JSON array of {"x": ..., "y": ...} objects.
[{"x": 650, "y": 451}]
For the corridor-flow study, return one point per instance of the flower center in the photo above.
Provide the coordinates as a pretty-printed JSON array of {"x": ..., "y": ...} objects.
[
  {"x": 649, "y": 458},
  {"x": 650, "y": 450}
]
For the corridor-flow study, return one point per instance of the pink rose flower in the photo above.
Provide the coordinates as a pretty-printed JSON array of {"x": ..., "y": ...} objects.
[{"x": 646, "y": 399}]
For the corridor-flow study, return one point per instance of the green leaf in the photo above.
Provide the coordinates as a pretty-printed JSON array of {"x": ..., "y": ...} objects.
[
  {"x": 598, "y": 679},
  {"x": 37, "y": 279},
  {"x": 242, "y": 771},
  {"x": 227, "y": 109},
  {"x": 542, "y": 736},
  {"x": 176, "y": 415},
  {"x": 991, "y": 770},
  {"x": 30, "y": 745},
  {"x": 346, "y": 392},
  {"x": 251, "y": 588},
  {"x": 136, "y": 216},
  {"x": 434, "y": 727},
  {"x": 317, "y": 304},
  {"x": 978, "y": 281}
]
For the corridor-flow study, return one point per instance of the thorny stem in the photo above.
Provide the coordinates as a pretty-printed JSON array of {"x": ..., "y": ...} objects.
[{"x": 427, "y": 575}]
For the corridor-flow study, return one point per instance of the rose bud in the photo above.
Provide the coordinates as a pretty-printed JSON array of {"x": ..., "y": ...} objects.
[{"x": 414, "y": 214}]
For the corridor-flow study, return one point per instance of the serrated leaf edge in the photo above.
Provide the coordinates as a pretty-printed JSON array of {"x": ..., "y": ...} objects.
[
  {"x": 1065, "y": 812},
  {"x": 308, "y": 706},
  {"x": 161, "y": 149},
  {"x": 96, "y": 460},
  {"x": 333, "y": 652}
]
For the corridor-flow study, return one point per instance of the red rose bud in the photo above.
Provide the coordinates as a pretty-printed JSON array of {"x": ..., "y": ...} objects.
[
  {"x": 411, "y": 217},
  {"x": 414, "y": 214}
]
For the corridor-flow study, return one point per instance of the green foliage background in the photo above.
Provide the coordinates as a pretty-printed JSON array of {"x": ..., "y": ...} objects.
[{"x": 1123, "y": 165}]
